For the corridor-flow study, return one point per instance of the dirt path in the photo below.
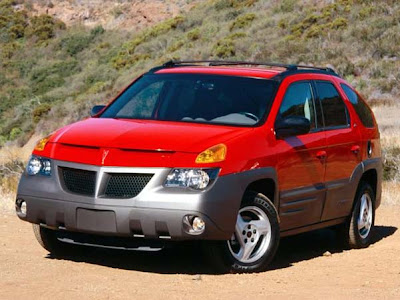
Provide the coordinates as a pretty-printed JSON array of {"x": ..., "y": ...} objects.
[{"x": 299, "y": 271}]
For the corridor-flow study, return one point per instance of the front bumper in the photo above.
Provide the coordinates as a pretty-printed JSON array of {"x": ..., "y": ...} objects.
[{"x": 156, "y": 212}]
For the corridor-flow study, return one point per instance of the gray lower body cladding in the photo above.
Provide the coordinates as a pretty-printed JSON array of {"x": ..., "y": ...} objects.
[{"x": 155, "y": 212}]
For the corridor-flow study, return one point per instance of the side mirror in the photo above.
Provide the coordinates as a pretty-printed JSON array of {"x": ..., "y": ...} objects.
[
  {"x": 292, "y": 126},
  {"x": 96, "y": 109}
]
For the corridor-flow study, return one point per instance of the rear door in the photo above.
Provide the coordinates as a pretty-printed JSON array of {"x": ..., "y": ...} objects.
[
  {"x": 342, "y": 147},
  {"x": 301, "y": 161}
]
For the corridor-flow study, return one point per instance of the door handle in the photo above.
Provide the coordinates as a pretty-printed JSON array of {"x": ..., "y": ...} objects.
[
  {"x": 321, "y": 154},
  {"x": 355, "y": 149}
]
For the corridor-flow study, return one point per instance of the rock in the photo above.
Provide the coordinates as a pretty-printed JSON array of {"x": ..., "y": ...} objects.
[
  {"x": 197, "y": 277},
  {"x": 327, "y": 253}
]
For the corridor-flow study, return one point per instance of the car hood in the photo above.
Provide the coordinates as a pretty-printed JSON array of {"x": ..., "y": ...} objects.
[{"x": 146, "y": 135}]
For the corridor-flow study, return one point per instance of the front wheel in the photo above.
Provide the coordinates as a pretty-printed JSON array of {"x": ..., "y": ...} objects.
[
  {"x": 47, "y": 238},
  {"x": 255, "y": 240}
]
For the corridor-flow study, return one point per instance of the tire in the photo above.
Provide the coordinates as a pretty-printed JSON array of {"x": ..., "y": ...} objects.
[
  {"x": 358, "y": 232},
  {"x": 255, "y": 241},
  {"x": 47, "y": 238}
]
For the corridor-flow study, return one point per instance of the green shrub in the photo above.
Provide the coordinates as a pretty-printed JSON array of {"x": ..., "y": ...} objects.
[
  {"x": 164, "y": 27},
  {"x": 40, "y": 111},
  {"x": 3, "y": 140},
  {"x": 193, "y": 34},
  {"x": 176, "y": 46},
  {"x": 49, "y": 77},
  {"x": 339, "y": 23},
  {"x": 43, "y": 27},
  {"x": 12, "y": 22},
  {"x": 224, "y": 4},
  {"x": 316, "y": 31},
  {"x": 98, "y": 30},
  {"x": 243, "y": 21},
  {"x": 127, "y": 57},
  {"x": 76, "y": 43},
  {"x": 224, "y": 48},
  {"x": 122, "y": 61},
  {"x": 391, "y": 166},
  {"x": 286, "y": 6},
  {"x": 15, "y": 133}
]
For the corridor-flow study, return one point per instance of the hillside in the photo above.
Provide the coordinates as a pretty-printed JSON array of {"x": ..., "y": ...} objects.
[
  {"x": 123, "y": 14},
  {"x": 53, "y": 71}
]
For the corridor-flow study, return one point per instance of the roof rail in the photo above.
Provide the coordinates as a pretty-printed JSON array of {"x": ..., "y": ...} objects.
[{"x": 288, "y": 67}]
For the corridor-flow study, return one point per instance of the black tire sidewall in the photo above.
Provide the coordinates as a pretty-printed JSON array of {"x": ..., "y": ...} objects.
[
  {"x": 357, "y": 241},
  {"x": 233, "y": 265}
]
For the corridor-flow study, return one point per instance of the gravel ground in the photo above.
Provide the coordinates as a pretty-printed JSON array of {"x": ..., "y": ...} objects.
[{"x": 300, "y": 270}]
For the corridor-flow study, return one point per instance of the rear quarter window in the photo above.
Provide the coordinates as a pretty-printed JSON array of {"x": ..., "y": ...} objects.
[
  {"x": 334, "y": 110},
  {"x": 361, "y": 108}
]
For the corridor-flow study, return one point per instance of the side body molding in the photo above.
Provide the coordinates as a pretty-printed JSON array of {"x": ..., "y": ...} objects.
[{"x": 340, "y": 194}]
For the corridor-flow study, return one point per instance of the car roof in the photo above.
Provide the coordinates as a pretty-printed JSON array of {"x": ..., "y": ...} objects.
[{"x": 239, "y": 68}]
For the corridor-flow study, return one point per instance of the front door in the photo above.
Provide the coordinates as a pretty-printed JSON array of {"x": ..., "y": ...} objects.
[{"x": 301, "y": 161}]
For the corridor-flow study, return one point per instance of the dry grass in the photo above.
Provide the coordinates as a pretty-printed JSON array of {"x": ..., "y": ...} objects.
[
  {"x": 6, "y": 201},
  {"x": 391, "y": 193},
  {"x": 389, "y": 124}
]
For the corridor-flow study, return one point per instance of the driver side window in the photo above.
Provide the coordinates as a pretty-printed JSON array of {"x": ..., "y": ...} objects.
[{"x": 298, "y": 101}]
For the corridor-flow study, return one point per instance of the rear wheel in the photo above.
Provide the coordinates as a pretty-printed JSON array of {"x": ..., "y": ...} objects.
[
  {"x": 255, "y": 240},
  {"x": 358, "y": 232}
]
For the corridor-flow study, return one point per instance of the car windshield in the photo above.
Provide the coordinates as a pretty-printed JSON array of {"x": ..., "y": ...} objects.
[{"x": 195, "y": 98}]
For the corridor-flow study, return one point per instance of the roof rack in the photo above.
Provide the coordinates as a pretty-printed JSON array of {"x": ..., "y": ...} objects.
[{"x": 288, "y": 67}]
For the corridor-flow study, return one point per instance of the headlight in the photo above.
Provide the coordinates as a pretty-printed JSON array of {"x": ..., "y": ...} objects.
[
  {"x": 38, "y": 165},
  {"x": 197, "y": 179}
]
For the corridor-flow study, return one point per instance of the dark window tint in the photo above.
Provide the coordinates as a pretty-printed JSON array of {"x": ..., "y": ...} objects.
[
  {"x": 298, "y": 101},
  {"x": 362, "y": 110},
  {"x": 195, "y": 98},
  {"x": 334, "y": 109}
]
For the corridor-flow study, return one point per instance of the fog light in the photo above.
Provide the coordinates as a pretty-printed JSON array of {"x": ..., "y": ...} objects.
[
  {"x": 198, "y": 224},
  {"x": 193, "y": 225},
  {"x": 21, "y": 207}
]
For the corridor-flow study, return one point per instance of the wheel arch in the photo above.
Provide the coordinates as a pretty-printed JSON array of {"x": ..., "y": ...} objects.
[
  {"x": 371, "y": 172},
  {"x": 370, "y": 177},
  {"x": 265, "y": 186}
]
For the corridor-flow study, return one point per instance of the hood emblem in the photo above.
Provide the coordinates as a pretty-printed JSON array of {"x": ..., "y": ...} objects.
[{"x": 105, "y": 153}]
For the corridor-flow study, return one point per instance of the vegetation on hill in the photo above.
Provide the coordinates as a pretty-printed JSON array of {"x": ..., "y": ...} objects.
[{"x": 50, "y": 74}]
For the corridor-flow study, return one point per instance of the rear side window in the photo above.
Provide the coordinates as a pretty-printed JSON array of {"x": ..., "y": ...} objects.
[
  {"x": 362, "y": 110},
  {"x": 334, "y": 110},
  {"x": 298, "y": 101}
]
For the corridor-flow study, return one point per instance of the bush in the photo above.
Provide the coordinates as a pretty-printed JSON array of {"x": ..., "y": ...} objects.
[
  {"x": 242, "y": 21},
  {"x": 286, "y": 6},
  {"x": 40, "y": 111},
  {"x": 49, "y": 77},
  {"x": 391, "y": 166},
  {"x": 193, "y": 34},
  {"x": 224, "y": 48},
  {"x": 127, "y": 56},
  {"x": 15, "y": 133},
  {"x": 339, "y": 23},
  {"x": 76, "y": 43},
  {"x": 98, "y": 30},
  {"x": 176, "y": 46},
  {"x": 224, "y": 4},
  {"x": 43, "y": 27}
]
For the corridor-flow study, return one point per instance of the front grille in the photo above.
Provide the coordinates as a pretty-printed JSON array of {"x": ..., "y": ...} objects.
[
  {"x": 126, "y": 185},
  {"x": 78, "y": 181}
]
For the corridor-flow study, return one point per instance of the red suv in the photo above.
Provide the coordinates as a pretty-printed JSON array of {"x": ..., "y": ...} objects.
[{"x": 237, "y": 154}]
